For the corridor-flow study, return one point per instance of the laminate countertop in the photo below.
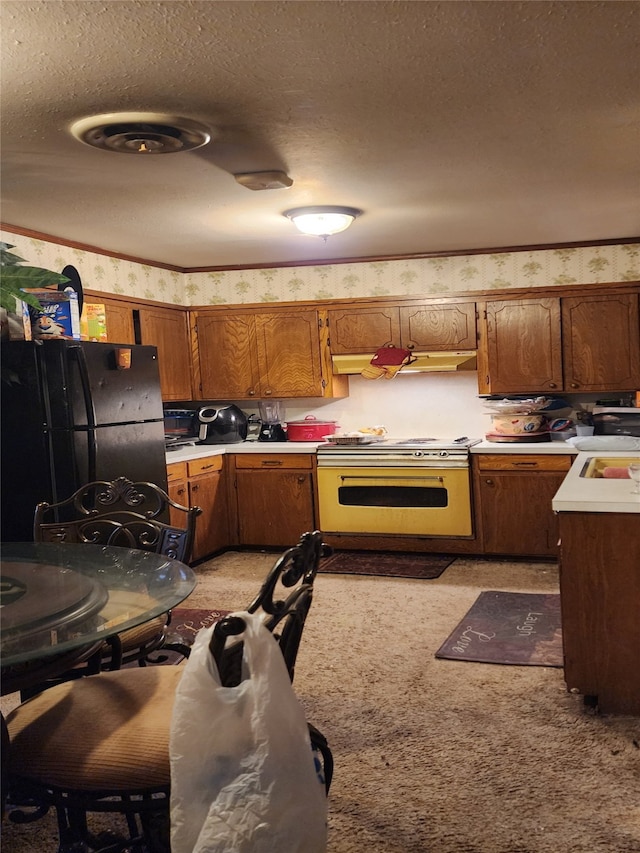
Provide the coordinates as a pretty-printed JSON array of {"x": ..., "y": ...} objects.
[
  {"x": 188, "y": 453},
  {"x": 596, "y": 494}
]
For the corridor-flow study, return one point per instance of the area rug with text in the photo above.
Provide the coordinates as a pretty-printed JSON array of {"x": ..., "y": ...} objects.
[
  {"x": 400, "y": 565},
  {"x": 185, "y": 623},
  {"x": 508, "y": 628}
]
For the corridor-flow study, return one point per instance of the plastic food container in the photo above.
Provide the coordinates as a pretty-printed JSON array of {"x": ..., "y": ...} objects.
[
  {"x": 562, "y": 435},
  {"x": 310, "y": 429}
]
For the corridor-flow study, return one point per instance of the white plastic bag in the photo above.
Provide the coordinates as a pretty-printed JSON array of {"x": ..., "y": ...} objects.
[{"x": 243, "y": 778}]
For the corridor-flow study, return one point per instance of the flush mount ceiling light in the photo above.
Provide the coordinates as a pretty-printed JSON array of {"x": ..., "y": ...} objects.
[
  {"x": 322, "y": 220},
  {"x": 140, "y": 133}
]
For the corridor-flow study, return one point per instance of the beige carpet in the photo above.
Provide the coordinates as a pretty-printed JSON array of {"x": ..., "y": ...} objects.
[{"x": 438, "y": 756}]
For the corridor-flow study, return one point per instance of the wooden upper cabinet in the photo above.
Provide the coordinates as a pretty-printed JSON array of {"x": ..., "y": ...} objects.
[
  {"x": 226, "y": 359},
  {"x": 420, "y": 327},
  {"x": 601, "y": 342},
  {"x": 255, "y": 354},
  {"x": 354, "y": 330},
  {"x": 522, "y": 347},
  {"x": 551, "y": 344},
  {"x": 119, "y": 319},
  {"x": 288, "y": 347},
  {"x": 168, "y": 330},
  {"x": 439, "y": 327}
]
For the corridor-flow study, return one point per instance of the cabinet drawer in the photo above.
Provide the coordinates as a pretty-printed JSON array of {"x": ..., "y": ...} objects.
[
  {"x": 205, "y": 465},
  {"x": 176, "y": 471},
  {"x": 272, "y": 460},
  {"x": 523, "y": 462}
]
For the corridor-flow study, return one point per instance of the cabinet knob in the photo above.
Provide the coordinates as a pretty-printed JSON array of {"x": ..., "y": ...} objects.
[
  {"x": 489, "y": 482},
  {"x": 574, "y": 385},
  {"x": 194, "y": 487},
  {"x": 553, "y": 385},
  {"x": 251, "y": 393},
  {"x": 301, "y": 479},
  {"x": 268, "y": 392},
  {"x": 411, "y": 346}
]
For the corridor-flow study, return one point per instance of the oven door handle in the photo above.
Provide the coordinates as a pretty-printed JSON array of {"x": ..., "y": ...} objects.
[{"x": 394, "y": 479}]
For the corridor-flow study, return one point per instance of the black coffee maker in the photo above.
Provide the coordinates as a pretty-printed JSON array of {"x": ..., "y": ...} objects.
[{"x": 272, "y": 419}]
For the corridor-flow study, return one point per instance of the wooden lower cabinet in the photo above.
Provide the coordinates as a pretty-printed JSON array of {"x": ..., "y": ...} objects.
[
  {"x": 275, "y": 497},
  {"x": 513, "y": 494},
  {"x": 202, "y": 482},
  {"x": 600, "y": 595}
]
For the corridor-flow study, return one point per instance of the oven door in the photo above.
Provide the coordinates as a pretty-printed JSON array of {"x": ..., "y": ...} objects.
[{"x": 403, "y": 501}]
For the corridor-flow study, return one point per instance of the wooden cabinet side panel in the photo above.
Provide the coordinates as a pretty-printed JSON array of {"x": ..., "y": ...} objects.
[
  {"x": 288, "y": 347},
  {"x": 524, "y": 348},
  {"x": 600, "y": 591},
  {"x": 601, "y": 342},
  {"x": 439, "y": 327},
  {"x": 363, "y": 330},
  {"x": 168, "y": 330}
]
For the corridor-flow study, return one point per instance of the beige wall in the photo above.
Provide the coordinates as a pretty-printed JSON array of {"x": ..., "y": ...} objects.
[{"x": 448, "y": 275}]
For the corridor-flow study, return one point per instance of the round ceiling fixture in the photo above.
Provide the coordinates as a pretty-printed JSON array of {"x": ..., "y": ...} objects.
[
  {"x": 140, "y": 133},
  {"x": 322, "y": 220}
]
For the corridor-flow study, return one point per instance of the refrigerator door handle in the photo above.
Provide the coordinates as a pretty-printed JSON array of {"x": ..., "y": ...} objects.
[{"x": 83, "y": 372}]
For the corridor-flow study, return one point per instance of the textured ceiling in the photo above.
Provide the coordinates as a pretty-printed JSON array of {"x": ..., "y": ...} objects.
[{"x": 452, "y": 125}]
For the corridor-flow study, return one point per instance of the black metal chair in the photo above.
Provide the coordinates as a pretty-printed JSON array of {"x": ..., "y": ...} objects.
[
  {"x": 120, "y": 763},
  {"x": 120, "y": 513}
]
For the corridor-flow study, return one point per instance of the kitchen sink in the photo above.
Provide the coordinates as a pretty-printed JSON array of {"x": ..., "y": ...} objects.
[{"x": 595, "y": 465}]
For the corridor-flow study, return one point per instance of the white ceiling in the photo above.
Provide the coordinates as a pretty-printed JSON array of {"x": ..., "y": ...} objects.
[{"x": 452, "y": 125}]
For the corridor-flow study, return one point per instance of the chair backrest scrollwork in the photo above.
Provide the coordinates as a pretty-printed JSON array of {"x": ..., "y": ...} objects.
[
  {"x": 283, "y": 601},
  {"x": 122, "y": 513}
]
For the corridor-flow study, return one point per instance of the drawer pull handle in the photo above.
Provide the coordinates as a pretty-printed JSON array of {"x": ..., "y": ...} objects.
[
  {"x": 272, "y": 462},
  {"x": 206, "y": 467},
  {"x": 526, "y": 464}
]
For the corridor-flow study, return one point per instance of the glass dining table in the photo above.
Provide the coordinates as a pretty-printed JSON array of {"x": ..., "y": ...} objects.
[{"x": 59, "y": 602}]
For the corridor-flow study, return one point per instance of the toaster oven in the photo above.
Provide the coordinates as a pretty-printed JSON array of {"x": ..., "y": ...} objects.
[
  {"x": 619, "y": 420},
  {"x": 181, "y": 426}
]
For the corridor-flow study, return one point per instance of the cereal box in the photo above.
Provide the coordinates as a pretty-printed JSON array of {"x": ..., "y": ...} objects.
[
  {"x": 93, "y": 322},
  {"x": 59, "y": 317}
]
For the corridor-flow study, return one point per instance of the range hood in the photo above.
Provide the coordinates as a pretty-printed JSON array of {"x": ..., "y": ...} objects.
[{"x": 426, "y": 362}]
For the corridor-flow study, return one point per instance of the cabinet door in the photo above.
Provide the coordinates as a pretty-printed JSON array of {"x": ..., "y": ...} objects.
[
  {"x": 212, "y": 527},
  {"x": 288, "y": 347},
  {"x": 355, "y": 330},
  {"x": 227, "y": 358},
  {"x": 601, "y": 342},
  {"x": 178, "y": 491},
  {"x": 274, "y": 507},
  {"x": 168, "y": 330},
  {"x": 523, "y": 347},
  {"x": 438, "y": 327},
  {"x": 119, "y": 319},
  {"x": 515, "y": 510}
]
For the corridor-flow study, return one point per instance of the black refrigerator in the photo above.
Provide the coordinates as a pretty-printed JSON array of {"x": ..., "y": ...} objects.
[{"x": 70, "y": 415}]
